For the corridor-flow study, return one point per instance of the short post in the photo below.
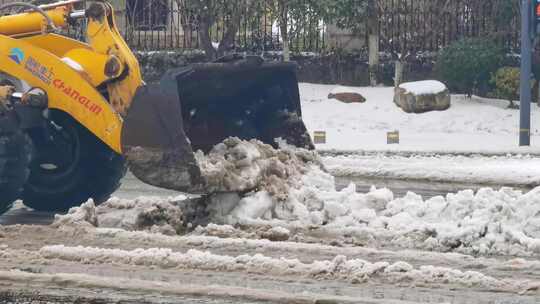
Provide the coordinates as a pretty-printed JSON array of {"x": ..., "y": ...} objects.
[
  {"x": 319, "y": 137},
  {"x": 392, "y": 137},
  {"x": 525, "y": 78}
]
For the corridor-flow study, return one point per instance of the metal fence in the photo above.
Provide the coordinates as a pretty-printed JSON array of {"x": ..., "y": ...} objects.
[
  {"x": 164, "y": 24},
  {"x": 429, "y": 25},
  {"x": 404, "y": 25},
  {"x": 419, "y": 25}
]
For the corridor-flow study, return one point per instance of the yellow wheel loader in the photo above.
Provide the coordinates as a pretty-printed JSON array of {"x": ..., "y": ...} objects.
[{"x": 75, "y": 114}]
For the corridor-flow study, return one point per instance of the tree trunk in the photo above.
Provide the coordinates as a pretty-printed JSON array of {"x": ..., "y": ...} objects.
[
  {"x": 284, "y": 29},
  {"x": 206, "y": 40},
  {"x": 286, "y": 48},
  {"x": 241, "y": 8},
  {"x": 400, "y": 67},
  {"x": 373, "y": 59},
  {"x": 373, "y": 42},
  {"x": 227, "y": 43}
]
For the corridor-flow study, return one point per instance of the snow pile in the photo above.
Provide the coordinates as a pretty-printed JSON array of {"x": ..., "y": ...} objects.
[
  {"x": 154, "y": 214},
  {"x": 84, "y": 215},
  {"x": 426, "y": 87},
  {"x": 237, "y": 166},
  {"x": 272, "y": 187},
  {"x": 290, "y": 186},
  {"x": 292, "y": 190},
  {"x": 341, "y": 268},
  {"x": 487, "y": 222}
]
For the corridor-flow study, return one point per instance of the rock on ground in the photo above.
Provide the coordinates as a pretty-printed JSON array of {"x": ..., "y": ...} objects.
[
  {"x": 422, "y": 96},
  {"x": 347, "y": 97}
]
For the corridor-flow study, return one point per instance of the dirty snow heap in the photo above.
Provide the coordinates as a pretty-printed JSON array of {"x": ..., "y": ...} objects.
[{"x": 256, "y": 185}]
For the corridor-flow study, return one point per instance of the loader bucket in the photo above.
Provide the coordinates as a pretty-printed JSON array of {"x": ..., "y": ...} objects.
[{"x": 196, "y": 107}]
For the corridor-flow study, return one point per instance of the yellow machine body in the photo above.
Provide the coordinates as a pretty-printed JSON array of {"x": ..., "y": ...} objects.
[{"x": 70, "y": 71}]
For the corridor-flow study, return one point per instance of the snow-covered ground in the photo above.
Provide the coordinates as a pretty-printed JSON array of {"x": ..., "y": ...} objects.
[
  {"x": 470, "y": 125},
  {"x": 474, "y": 142},
  {"x": 510, "y": 170}
]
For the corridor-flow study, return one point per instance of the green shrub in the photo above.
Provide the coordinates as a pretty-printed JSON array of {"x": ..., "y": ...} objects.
[
  {"x": 507, "y": 85},
  {"x": 506, "y": 81},
  {"x": 466, "y": 65}
]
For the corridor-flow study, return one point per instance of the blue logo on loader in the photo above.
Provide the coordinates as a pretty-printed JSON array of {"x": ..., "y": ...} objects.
[{"x": 16, "y": 55}]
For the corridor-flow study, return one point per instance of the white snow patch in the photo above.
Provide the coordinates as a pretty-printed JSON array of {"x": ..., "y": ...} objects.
[
  {"x": 312, "y": 200},
  {"x": 486, "y": 222},
  {"x": 496, "y": 170},
  {"x": 426, "y": 87}
]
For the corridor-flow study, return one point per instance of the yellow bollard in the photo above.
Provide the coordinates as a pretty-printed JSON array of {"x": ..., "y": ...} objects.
[
  {"x": 319, "y": 137},
  {"x": 392, "y": 137}
]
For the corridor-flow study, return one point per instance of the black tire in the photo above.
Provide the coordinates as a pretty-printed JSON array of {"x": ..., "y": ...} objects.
[
  {"x": 93, "y": 170},
  {"x": 15, "y": 157}
]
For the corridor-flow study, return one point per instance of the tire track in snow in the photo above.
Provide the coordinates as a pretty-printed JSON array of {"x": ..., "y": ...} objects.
[
  {"x": 75, "y": 280},
  {"x": 340, "y": 268}
]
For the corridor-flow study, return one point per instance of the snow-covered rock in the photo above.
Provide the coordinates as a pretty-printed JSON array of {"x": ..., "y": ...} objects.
[
  {"x": 425, "y": 87},
  {"x": 422, "y": 96}
]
